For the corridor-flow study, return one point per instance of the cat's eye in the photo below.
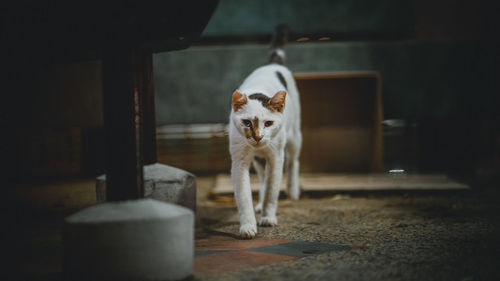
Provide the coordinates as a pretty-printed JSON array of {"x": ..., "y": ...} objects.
[
  {"x": 247, "y": 123},
  {"x": 268, "y": 123}
]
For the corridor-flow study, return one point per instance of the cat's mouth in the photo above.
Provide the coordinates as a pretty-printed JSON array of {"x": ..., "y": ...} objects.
[{"x": 257, "y": 144}]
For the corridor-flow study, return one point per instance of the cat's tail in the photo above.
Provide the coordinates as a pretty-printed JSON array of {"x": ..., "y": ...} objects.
[{"x": 280, "y": 37}]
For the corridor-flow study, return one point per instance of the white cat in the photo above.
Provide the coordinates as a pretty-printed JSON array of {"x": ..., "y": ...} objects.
[{"x": 264, "y": 130}]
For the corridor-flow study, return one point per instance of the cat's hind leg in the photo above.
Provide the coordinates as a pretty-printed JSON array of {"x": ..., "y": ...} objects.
[
  {"x": 292, "y": 167},
  {"x": 259, "y": 165}
]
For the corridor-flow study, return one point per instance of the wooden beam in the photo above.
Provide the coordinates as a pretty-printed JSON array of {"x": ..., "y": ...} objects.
[
  {"x": 148, "y": 101},
  {"x": 122, "y": 91}
]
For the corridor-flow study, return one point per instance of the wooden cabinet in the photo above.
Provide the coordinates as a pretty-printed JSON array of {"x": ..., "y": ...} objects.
[{"x": 341, "y": 121}]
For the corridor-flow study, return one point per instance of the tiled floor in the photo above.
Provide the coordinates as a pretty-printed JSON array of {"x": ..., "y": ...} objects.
[{"x": 216, "y": 254}]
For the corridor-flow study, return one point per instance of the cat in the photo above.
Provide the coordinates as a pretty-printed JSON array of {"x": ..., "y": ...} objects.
[{"x": 264, "y": 130}]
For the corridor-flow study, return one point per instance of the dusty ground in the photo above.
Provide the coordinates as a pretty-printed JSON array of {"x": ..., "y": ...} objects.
[
  {"x": 412, "y": 236},
  {"x": 408, "y": 236}
]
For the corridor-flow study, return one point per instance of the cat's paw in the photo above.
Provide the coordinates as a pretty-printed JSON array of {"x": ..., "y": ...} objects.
[
  {"x": 248, "y": 231},
  {"x": 294, "y": 192},
  {"x": 258, "y": 208},
  {"x": 268, "y": 221},
  {"x": 294, "y": 196}
]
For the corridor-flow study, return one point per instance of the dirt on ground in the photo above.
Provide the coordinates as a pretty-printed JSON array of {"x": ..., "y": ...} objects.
[{"x": 391, "y": 236}]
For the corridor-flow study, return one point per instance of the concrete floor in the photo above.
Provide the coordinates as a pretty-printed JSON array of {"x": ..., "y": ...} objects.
[{"x": 403, "y": 236}]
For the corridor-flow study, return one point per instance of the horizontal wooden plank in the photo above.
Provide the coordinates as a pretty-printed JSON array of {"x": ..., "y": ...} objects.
[{"x": 354, "y": 182}]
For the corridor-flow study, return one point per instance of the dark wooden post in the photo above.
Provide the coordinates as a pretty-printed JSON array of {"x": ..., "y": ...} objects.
[
  {"x": 122, "y": 73},
  {"x": 148, "y": 101}
]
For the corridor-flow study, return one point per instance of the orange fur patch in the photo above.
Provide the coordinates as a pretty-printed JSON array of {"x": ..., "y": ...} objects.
[
  {"x": 239, "y": 100},
  {"x": 277, "y": 102},
  {"x": 248, "y": 133},
  {"x": 255, "y": 129}
]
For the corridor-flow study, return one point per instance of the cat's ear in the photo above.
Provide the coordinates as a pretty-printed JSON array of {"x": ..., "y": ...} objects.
[
  {"x": 277, "y": 102},
  {"x": 239, "y": 100}
]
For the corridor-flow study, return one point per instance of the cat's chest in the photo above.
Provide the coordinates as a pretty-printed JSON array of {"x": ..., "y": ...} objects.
[
  {"x": 262, "y": 153},
  {"x": 268, "y": 152}
]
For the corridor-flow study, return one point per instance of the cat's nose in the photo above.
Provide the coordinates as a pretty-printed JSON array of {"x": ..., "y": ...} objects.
[{"x": 258, "y": 138}]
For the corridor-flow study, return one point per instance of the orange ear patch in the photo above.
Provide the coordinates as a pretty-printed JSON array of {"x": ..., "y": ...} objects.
[
  {"x": 239, "y": 100},
  {"x": 277, "y": 102}
]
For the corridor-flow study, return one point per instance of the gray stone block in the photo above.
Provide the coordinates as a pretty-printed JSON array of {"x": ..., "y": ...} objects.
[
  {"x": 161, "y": 182},
  {"x": 130, "y": 240}
]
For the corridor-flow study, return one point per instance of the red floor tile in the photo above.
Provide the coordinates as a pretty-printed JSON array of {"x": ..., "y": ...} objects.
[
  {"x": 231, "y": 243},
  {"x": 235, "y": 260}
]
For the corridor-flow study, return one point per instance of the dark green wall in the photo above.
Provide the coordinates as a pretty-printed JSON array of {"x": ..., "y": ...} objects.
[
  {"x": 425, "y": 79},
  {"x": 243, "y": 17},
  {"x": 430, "y": 79}
]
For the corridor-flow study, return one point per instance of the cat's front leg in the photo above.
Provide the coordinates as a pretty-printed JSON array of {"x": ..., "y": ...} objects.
[
  {"x": 274, "y": 176},
  {"x": 259, "y": 165},
  {"x": 243, "y": 194}
]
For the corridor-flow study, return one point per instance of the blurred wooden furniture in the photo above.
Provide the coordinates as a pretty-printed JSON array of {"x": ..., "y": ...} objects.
[
  {"x": 341, "y": 121},
  {"x": 123, "y": 35}
]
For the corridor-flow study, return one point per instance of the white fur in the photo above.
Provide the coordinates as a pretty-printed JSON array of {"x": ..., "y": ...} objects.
[
  {"x": 282, "y": 139},
  {"x": 278, "y": 52}
]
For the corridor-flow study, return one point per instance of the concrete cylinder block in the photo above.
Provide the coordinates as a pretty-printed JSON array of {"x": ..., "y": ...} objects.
[
  {"x": 161, "y": 182},
  {"x": 130, "y": 240}
]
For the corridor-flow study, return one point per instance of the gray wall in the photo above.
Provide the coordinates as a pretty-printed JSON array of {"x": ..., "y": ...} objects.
[
  {"x": 243, "y": 17},
  {"x": 435, "y": 57},
  {"x": 430, "y": 79}
]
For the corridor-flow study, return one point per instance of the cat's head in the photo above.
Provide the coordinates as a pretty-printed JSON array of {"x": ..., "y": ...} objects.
[{"x": 258, "y": 117}]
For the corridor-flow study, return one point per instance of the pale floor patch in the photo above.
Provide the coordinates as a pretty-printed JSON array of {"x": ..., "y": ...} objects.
[{"x": 354, "y": 182}]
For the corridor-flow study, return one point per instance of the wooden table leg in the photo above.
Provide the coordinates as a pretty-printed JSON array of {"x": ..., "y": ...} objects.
[
  {"x": 148, "y": 101},
  {"x": 122, "y": 90}
]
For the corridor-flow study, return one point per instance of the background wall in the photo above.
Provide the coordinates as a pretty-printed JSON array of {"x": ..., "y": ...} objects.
[
  {"x": 432, "y": 54},
  {"x": 430, "y": 79},
  {"x": 257, "y": 18}
]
